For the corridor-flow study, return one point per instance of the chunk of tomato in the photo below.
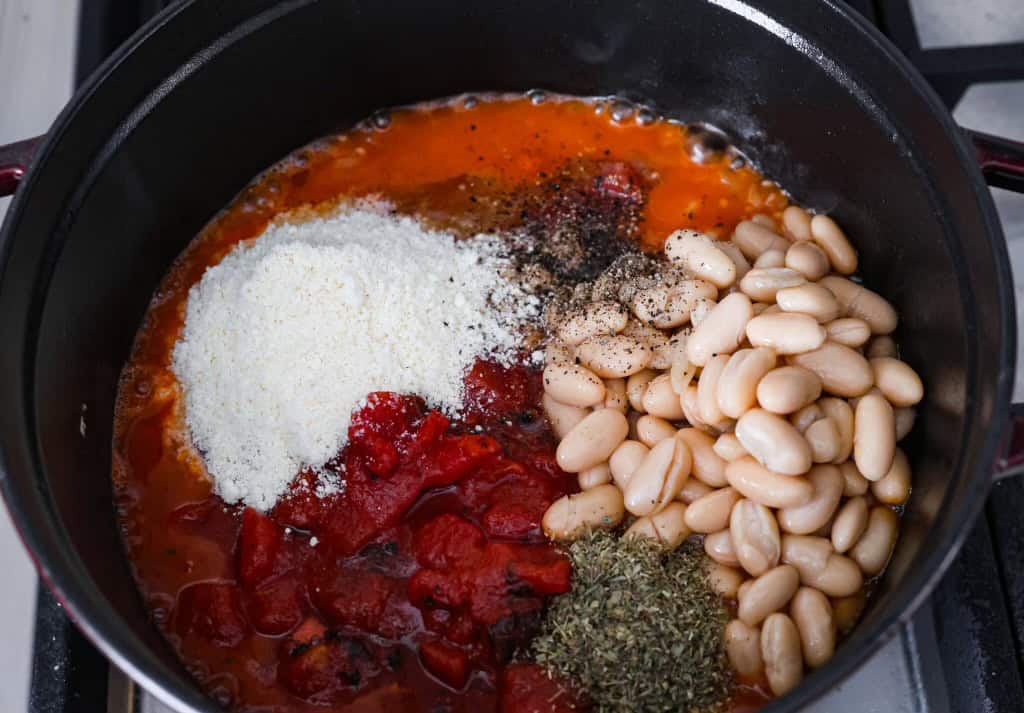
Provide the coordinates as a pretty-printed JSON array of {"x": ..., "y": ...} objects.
[
  {"x": 455, "y": 457},
  {"x": 447, "y": 663},
  {"x": 277, "y": 607},
  {"x": 448, "y": 541},
  {"x": 258, "y": 546},
  {"x": 213, "y": 611}
]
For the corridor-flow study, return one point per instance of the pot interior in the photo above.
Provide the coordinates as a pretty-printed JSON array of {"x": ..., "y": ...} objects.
[{"x": 215, "y": 95}]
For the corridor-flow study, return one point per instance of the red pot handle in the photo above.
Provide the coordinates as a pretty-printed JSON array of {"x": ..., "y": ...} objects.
[
  {"x": 14, "y": 161},
  {"x": 1001, "y": 160}
]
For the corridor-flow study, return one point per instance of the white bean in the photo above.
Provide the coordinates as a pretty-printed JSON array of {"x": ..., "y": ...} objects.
[
  {"x": 894, "y": 487},
  {"x": 692, "y": 491},
  {"x": 651, "y": 430},
  {"x": 743, "y": 646},
  {"x": 658, "y": 478},
  {"x": 828, "y": 490},
  {"x": 843, "y": 371},
  {"x": 854, "y": 483},
  {"x": 850, "y": 523},
  {"x": 699, "y": 255},
  {"x": 849, "y": 331},
  {"x": 774, "y": 442},
  {"x": 636, "y": 385},
  {"x": 614, "y": 357},
  {"x": 594, "y": 476},
  {"x": 788, "y": 389},
  {"x": 905, "y": 418},
  {"x": 840, "y": 412},
  {"x": 820, "y": 567},
  {"x": 625, "y": 460},
  {"x": 737, "y": 385},
  {"x": 707, "y": 389},
  {"x": 708, "y": 466},
  {"x": 898, "y": 381},
  {"x": 722, "y": 331},
  {"x": 810, "y": 299},
  {"x": 796, "y": 223},
  {"x": 597, "y": 318},
  {"x": 770, "y": 258},
  {"x": 683, "y": 298},
  {"x": 881, "y": 346},
  {"x": 824, "y": 440},
  {"x": 812, "y": 614},
  {"x": 667, "y": 527},
  {"x": 711, "y": 512},
  {"x": 858, "y": 301},
  {"x": 737, "y": 257},
  {"x": 661, "y": 400},
  {"x": 681, "y": 373},
  {"x": 571, "y": 516},
  {"x": 573, "y": 385},
  {"x": 562, "y": 417},
  {"x": 768, "y": 593},
  {"x": 753, "y": 239},
  {"x": 807, "y": 259},
  {"x": 786, "y": 332},
  {"x": 874, "y": 436},
  {"x": 763, "y": 283},
  {"x": 755, "y": 536},
  {"x": 768, "y": 488},
  {"x": 807, "y": 416},
  {"x": 724, "y": 581},
  {"x": 729, "y": 448},
  {"x": 718, "y": 546},
  {"x": 615, "y": 395},
  {"x": 874, "y": 547},
  {"x": 592, "y": 441},
  {"x": 830, "y": 238}
]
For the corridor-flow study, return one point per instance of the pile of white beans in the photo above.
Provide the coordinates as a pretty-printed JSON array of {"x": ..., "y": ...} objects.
[{"x": 794, "y": 399}]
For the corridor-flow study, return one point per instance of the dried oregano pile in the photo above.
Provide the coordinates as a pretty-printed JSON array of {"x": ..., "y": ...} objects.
[{"x": 641, "y": 629}]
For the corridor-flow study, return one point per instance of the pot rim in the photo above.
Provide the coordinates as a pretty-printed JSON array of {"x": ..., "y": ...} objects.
[{"x": 90, "y": 616}]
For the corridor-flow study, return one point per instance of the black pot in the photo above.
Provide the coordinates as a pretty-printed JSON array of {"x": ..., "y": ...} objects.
[{"x": 210, "y": 93}]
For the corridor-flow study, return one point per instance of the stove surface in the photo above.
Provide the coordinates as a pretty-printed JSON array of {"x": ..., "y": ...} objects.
[{"x": 960, "y": 652}]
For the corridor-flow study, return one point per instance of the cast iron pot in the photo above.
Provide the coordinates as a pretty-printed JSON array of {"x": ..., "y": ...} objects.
[{"x": 210, "y": 93}]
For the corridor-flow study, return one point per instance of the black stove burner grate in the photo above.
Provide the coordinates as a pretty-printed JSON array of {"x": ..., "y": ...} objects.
[{"x": 978, "y": 607}]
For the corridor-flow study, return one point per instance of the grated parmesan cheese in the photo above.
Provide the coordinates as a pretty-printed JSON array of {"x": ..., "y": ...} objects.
[{"x": 287, "y": 335}]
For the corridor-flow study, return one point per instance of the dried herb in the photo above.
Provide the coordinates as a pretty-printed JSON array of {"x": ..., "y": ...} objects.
[{"x": 641, "y": 629}]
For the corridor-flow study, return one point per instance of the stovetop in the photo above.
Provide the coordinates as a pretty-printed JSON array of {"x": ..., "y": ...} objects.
[{"x": 962, "y": 651}]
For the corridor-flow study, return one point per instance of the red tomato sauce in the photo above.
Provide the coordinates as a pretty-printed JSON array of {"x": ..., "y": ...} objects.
[{"x": 411, "y": 588}]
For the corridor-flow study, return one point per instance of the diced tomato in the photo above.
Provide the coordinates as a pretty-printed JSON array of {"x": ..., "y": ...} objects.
[
  {"x": 447, "y": 663},
  {"x": 549, "y": 578},
  {"x": 436, "y": 620},
  {"x": 258, "y": 546},
  {"x": 455, "y": 457},
  {"x": 387, "y": 414},
  {"x": 379, "y": 454},
  {"x": 461, "y": 630},
  {"x": 352, "y": 598},
  {"x": 430, "y": 588},
  {"x": 309, "y": 669},
  {"x": 309, "y": 631},
  {"x": 512, "y": 520},
  {"x": 448, "y": 541},
  {"x": 277, "y": 607},
  {"x": 496, "y": 391},
  {"x": 526, "y": 688},
  {"x": 430, "y": 430},
  {"x": 213, "y": 611},
  {"x": 301, "y": 507}
]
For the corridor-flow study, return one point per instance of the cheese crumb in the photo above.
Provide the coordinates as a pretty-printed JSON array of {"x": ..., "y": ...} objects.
[{"x": 287, "y": 335}]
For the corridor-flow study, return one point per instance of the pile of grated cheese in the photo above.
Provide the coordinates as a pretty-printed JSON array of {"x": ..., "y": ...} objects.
[{"x": 287, "y": 335}]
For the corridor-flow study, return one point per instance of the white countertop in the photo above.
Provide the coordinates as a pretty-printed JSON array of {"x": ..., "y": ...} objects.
[{"x": 37, "y": 39}]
